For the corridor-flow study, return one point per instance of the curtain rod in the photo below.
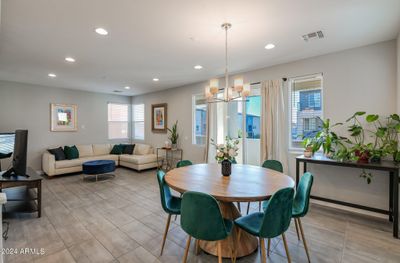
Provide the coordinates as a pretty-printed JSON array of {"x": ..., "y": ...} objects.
[{"x": 285, "y": 78}]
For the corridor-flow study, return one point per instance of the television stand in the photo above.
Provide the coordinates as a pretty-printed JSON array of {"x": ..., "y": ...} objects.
[{"x": 24, "y": 194}]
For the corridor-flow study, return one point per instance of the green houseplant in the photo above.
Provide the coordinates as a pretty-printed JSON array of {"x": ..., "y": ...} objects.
[{"x": 174, "y": 135}]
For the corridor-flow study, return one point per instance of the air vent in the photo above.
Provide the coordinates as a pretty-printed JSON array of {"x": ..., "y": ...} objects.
[
  {"x": 117, "y": 91},
  {"x": 313, "y": 36}
]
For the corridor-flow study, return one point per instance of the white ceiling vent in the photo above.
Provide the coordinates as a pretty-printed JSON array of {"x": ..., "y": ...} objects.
[{"x": 313, "y": 36}]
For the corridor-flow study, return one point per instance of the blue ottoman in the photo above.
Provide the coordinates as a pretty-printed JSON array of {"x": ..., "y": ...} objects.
[{"x": 98, "y": 167}]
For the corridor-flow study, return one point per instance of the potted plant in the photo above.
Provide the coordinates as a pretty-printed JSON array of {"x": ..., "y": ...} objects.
[
  {"x": 174, "y": 135},
  {"x": 308, "y": 144},
  {"x": 226, "y": 154}
]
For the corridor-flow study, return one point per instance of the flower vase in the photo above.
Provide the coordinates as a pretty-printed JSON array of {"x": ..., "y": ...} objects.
[{"x": 226, "y": 167}]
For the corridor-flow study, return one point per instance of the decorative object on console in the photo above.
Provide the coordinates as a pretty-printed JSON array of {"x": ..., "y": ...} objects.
[
  {"x": 58, "y": 153},
  {"x": 226, "y": 154},
  {"x": 241, "y": 90},
  {"x": 159, "y": 118},
  {"x": 167, "y": 145},
  {"x": 174, "y": 135},
  {"x": 63, "y": 117},
  {"x": 71, "y": 152}
]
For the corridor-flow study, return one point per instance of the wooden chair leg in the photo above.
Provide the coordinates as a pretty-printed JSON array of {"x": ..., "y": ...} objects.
[
  {"x": 262, "y": 247},
  {"x": 248, "y": 207},
  {"x": 297, "y": 229},
  {"x": 238, "y": 205},
  {"x": 286, "y": 248},
  {"x": 304, "y": 240},
  {"x": 237, "y": 244},
  {"x": 197, "y": 246},
  {"x": 165, "y": 233},
  {"x": 269, "y": 246},
  {"x": 219, "y": 251},
  {"x": 186, "y": 249}
]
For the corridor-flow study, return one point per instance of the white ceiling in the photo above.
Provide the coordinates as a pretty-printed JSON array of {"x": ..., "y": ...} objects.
[{"x": 166, "y": 38}]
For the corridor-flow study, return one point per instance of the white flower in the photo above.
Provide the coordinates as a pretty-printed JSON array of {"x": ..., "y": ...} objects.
[
  {"x": 220, "y": 146},
  {"x": 232, "y": 153},
  {"x": 220, "y": 154}
]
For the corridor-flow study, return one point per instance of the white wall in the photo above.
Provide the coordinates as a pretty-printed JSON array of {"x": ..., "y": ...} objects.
[
  {"x": 24, "y": 106},
  {"x": 363, "y": 78},
  {"x": 398, "y": 73}
]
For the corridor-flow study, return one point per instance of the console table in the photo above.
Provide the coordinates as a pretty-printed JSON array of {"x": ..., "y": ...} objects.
[
  {"x": 24, "y": 194},
  {"x": 388, "y": 166},
  {"x": 168, "y": 157}
]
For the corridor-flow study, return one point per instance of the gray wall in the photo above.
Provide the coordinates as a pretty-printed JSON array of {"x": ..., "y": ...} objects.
[
  {"x": 24, "y": 106},
  {"x": 357, "y": 79}
]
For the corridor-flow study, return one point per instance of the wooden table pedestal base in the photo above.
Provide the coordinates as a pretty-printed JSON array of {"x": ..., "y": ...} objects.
[{"x": 248, "y": 243}]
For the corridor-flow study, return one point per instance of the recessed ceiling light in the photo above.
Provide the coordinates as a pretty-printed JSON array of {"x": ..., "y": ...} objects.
[
  {"x": 156, "y": 79},
  {"x": 52, "y": 75},
  {"x": 127, "y": 87},
  {"x": 70, "y": 59},
  {"x": 101, "y": 31},
  {"x": 198, "y": 67},
  {"x": 269, "y": 46}
]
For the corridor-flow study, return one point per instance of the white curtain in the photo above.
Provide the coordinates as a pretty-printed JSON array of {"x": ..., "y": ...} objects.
[
  {"x": 209, "y": 154},
  {"x": 274, "y": 126}
]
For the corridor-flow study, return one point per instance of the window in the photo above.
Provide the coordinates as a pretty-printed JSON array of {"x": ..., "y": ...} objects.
[
  {"x": 117, "y": 121},
  {"x": 199, "y": 119},
  {"x": 305, "y": 108},
  {"x": 138, "y": 122}
]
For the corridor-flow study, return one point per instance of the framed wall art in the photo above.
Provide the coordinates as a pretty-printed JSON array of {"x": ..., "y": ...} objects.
[
  {"x": 63, "y": 117},
  {"x": 159, "y": 118}
]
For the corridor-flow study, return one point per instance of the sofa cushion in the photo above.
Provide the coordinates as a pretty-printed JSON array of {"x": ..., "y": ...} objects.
[
  {"x": 85, "y": 150},
  {"x": 58, "y": 153},
  {"x": 142, "y": 149},
  {"x": 101, "y": 149},
  {"x": 117, "y": 149},
  {"x": 68, "y": 163},
  {"x": 128, "y": 148},
  {"x": 71, "y": 152},
  {"x": 138, "y": 159}
]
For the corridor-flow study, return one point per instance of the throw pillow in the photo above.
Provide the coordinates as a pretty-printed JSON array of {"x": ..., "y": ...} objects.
[
  {"x": 128, "y": 148},
  {"x": 58, "y": 153},
  {"x": 117, "y": 149},
  {"x": 71, "y": 152}
]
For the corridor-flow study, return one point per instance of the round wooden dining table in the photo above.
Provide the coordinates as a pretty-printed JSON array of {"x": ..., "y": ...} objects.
[{"x": 247, "y": 183}]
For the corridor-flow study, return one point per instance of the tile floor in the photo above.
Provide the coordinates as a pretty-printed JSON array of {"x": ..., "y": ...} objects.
[{"x": 121, "y": 220}]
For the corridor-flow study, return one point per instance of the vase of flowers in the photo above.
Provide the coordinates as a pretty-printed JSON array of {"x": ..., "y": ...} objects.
[{"x": 226, "y": 154}]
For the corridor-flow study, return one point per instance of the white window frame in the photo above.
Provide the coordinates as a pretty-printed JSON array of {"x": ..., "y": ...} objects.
[
  {"x": 108, "y": 121},
  {"x": 134, "y": 122},
  {"x": 194, "y": 120},
  {"x": 290, "y": 88}
]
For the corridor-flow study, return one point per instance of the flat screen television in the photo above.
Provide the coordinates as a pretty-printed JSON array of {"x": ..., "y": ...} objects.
[
  {"x": 19, "y": 154},
  {"x": 6, "y": 144}
]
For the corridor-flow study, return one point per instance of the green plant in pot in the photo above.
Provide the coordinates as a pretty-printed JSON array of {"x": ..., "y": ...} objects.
[
  {"x": 174, "y": 135},
  {"x": 391, "y": 140},
  {"x": 327, "y": 139}
]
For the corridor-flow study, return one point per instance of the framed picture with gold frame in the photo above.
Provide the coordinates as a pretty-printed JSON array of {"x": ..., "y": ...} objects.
[
  {"x": 63, "y": 117},
  {"x": 159, "y": 118}
]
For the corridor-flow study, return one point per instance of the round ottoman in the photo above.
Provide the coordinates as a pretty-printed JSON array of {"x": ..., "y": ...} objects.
[{"x": 98, "y": 167}]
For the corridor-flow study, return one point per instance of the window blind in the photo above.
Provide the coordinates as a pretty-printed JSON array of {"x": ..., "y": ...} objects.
[
  {"x": 305, "y": 108},
  {"x": 117, "y": 121},
  {"x": 138, "y": 121}
]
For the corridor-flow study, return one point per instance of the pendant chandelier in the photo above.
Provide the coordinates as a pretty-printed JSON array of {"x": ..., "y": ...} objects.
[{"x": 238, "y": 92}]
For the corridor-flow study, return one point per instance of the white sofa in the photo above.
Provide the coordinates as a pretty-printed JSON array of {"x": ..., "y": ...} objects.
[{"x": 143, "y": 157}]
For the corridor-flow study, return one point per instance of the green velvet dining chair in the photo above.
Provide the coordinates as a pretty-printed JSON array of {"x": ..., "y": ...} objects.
[
  {"x": 170, "y": 204},
  {"x": 274, "y": 221},
  {"x": 201, "y": 219},
  {"x": 269, "y": 164},
  {"x": 301, "y": 205},
  {"x": 183, "y": 163}
]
